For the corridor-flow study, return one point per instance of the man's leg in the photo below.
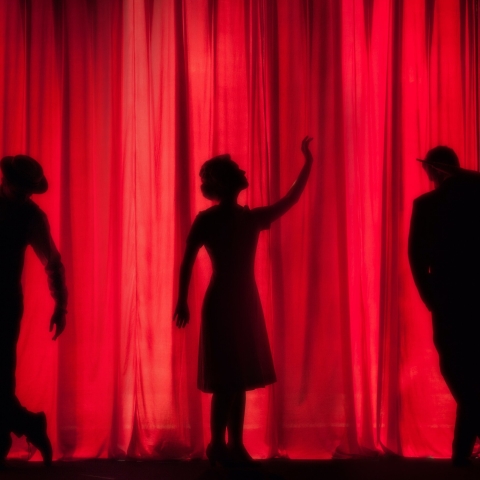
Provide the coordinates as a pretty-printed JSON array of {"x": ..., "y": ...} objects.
[
  {"x": 34, "y": 427},
  {"x": 13, "y": 417},
  {"x": 5, "y": 438},
  {"x": 8, "y": 339},
  {"x": 464, "y": 435},
  {"x": 457, "y": 366},
  {"x": 5, "y": 444}
]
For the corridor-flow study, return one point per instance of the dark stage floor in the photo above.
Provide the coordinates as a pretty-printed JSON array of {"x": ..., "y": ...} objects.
[{"x": 372, "y": 469}]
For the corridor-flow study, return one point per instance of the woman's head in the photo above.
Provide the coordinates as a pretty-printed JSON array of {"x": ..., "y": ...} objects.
[{"x": 221, "y": 178}]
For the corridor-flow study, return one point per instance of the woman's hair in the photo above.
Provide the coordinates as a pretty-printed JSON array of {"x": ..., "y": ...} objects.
[{"x": 220, "y": 176}]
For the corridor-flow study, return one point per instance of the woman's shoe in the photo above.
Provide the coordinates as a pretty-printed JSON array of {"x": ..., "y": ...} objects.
[
  {"x": 218, "y": 453},
  {"x": 239, "y": 455}
]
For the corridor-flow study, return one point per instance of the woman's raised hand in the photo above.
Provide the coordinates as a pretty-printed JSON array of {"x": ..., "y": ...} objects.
[{"x": 305, "y": 150}]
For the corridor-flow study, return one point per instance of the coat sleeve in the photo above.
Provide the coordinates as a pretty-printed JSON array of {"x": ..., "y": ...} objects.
[
  {"x": 419, "y": 252},
  {"x": 42, "y": 243}
]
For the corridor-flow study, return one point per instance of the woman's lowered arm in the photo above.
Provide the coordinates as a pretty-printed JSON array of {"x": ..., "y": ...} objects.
[{"x": 182, "y": 313}]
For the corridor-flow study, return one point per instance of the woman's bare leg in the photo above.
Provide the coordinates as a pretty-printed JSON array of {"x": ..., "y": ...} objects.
[
  {"x": 236, "y": 420},
  {"x": 219, "y": 414}
]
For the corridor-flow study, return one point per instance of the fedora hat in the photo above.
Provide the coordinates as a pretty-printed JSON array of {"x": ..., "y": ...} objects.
[
  {"x": 443, "y": 159},
  {"x": 25, "y": 172}
]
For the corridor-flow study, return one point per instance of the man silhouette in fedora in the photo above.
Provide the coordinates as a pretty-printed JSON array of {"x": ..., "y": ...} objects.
[
  {"x": 22, "y": 223},
  {"x": 444, "y": 254}
]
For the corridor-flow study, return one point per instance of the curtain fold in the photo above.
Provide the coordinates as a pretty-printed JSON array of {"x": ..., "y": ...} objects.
[{"x": 123, "y": 100}]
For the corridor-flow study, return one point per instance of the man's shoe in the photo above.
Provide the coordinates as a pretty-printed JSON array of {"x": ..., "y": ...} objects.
[
  {"x": 461, "y": 462},
  {"x": 37, "y": 436}
]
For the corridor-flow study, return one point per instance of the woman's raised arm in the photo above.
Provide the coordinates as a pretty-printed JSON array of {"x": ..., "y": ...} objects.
[{"x": 277, "y": 209}]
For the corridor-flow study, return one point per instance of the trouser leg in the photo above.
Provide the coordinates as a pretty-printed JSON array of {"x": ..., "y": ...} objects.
[
  {"x": 467, "y": 421},
  {"x": 20, "y": 419},
  {"x": 13, "y": 417},
  {"x": 5, "y": 440},
  {"x": 465, "y": 432},
  {"x": 8, "y": 401},
  {"x": 17, "y": 419},
  {"x": 458, "y": 370},
  {"x": 5, "y": 416}
]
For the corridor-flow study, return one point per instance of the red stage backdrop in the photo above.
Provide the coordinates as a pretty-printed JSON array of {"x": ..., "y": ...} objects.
[{"x": 122, "y": 101}]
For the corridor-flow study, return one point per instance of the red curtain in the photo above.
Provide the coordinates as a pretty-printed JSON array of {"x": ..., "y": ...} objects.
[{"x": 122, "y": 101}]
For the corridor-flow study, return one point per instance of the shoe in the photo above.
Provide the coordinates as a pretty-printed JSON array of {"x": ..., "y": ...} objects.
[
  {"x": 37, "y": 435},
  {"x": 218, "y": 453},
  {"x": 240, "y": 456},
  {"x": 461, "y": 462}
]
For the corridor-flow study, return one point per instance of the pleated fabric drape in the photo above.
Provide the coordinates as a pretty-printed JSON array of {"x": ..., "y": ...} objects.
[{"x": 123, "y": 100}]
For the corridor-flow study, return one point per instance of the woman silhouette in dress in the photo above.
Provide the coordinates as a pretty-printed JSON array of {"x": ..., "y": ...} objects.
[{"x": 234, "y": 352}]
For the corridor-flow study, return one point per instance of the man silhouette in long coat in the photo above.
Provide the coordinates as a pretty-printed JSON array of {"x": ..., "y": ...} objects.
[
  {"x": 444, "y": 254},
  {"x": 22, "y": 223}
]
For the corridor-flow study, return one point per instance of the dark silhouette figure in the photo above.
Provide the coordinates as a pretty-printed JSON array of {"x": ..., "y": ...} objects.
[
  {"x": 444, "y": 254},
  {"x": 234, "y": 353},
  {"x": 22, "y": 223}
]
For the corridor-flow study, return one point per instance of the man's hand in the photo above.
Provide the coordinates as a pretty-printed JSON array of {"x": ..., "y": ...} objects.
[
  {"x": 58, "y": 321},
  {"x": 181, "y": 315}
]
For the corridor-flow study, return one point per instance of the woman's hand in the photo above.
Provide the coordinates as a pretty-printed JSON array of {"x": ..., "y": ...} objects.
[
  {"x": 276, "y": 210},
  {"x": 305, "y": 150},
  {"x": 181, "y": 314}
]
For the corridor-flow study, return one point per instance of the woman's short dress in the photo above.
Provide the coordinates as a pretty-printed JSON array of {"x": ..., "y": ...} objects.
[{"x": 234, "y": 352}]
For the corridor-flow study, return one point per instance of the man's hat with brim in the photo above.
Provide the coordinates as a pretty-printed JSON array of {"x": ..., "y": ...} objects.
[
  {"x": 442, "y": 158},
  {"x": 25, "y": 172}
]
